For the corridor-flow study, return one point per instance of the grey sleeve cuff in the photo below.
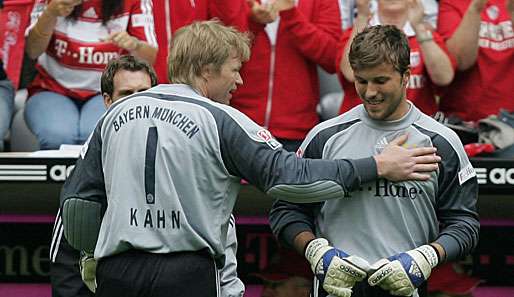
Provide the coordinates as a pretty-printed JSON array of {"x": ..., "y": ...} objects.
[
  {"x": 289, "y": 232},
  {"x": 451, "y": 247},
  {"x": 366, "y": 168}
]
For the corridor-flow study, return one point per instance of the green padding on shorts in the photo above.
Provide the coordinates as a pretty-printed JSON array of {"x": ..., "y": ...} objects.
[{"x": 82, "y": 220}]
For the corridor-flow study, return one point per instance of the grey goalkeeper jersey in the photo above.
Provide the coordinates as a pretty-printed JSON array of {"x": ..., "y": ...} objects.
[
  {"x": 166, "y": 165},
  {"x": 382, "y": 218}
]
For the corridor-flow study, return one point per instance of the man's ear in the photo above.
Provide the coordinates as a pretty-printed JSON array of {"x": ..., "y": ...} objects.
[
  {"x": 207, "y": 71},
  {"x": 107, "y": 99},
  {"x": 406, "y": 78}
]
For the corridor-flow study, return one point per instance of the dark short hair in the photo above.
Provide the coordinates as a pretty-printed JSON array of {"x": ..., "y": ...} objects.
[
  {"x": 378, "y": 44},
  {"x": 129, "y": 63}
]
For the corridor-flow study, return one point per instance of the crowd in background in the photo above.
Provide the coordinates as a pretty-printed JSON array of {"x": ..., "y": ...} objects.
[{"x": 462, "y": 56}]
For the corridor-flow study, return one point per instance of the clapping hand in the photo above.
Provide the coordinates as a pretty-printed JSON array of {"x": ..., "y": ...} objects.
[
  {"x": 280, "y": 5},
  {"x": 416, "y": 12},
  {"x": 363, "y": 9},
  {"x": 479, "y": 5},
  {"x": 62, "y": 8},
  {"x": 262, "y": 13},
  {"x": 123, "y": 40}
]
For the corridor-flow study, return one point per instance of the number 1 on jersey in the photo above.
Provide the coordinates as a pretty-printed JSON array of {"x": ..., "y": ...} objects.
[{"x": 151, "y": 149}]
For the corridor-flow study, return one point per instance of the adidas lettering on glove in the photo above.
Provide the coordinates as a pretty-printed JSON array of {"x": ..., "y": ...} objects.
[
  {"x": 336, "y": 270},
  {"x": 403, "y": 273}
]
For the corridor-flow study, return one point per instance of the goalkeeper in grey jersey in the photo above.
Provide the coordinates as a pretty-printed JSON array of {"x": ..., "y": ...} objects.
[
  {"x": 160, "y": 173},
  {"x": 401, "y": 230}
]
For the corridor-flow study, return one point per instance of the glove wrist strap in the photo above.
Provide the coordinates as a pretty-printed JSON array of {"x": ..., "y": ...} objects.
[
  {"x": 430, "y": 254},
  {"x": 313, "y": 246}
]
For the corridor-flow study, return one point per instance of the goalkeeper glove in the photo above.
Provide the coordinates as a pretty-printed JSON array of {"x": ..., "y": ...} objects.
[
  {"x": 403, "y": 273},
  {"x": 336, "y": 270},
  {"x": 88, "y": 270}
]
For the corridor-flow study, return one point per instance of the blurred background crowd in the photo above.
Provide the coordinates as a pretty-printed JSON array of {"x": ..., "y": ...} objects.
[{"x": 462, "y": 61}]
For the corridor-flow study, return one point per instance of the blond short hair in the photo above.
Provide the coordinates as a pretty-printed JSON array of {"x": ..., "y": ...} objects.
[{"x": 201, "y": 44}]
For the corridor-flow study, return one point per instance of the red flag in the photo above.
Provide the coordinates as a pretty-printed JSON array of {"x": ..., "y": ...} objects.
[{"x": 14, "y": 19}]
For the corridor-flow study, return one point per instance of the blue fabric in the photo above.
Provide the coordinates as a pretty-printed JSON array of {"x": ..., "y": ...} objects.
[
  {"x": 6, "y": 109},
  {"x": 327, "y": 259},
  {"x": 407, "y": 263},
  {"x": 56, "y": 119}
]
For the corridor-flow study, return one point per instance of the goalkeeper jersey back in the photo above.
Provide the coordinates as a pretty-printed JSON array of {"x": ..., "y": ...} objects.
[{"x": 166, "y": 165}]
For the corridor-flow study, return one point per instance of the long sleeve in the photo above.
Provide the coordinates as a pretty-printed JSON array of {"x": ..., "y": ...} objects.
[
  {"x": 287, "y": 219},
  {"x": 456, "y": 196},
  {"x": 456, "y": 203},
  {"x": 316, "y": 39},
  {"x": 260, "y": 160}
]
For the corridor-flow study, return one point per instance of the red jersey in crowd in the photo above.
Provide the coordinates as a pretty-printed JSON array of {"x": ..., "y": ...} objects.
[
  {"x": 76, "y": 55},
  {"x": 170, "y": 15},
  {"x": 281, "y": 87},
  {"x": 489, "y": 84}
]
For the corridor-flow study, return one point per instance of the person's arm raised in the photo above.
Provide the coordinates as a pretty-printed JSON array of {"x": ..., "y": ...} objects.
[
  {"x": 437, "y": 62},
  {"x": 464, "y": 42},
  {"x": 41, "y": 33},
  {"x": 360, "y": 23}
]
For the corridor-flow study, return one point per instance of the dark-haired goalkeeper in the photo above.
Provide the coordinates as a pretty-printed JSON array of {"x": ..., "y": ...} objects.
[{"x": 389, "y": 234}]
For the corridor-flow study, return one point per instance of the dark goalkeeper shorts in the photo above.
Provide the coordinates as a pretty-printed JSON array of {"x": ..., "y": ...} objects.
[{"x": 141, "y": 274}]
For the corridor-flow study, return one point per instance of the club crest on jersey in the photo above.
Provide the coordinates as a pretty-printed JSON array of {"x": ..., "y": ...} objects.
[
  {"x": 268, "y": 139},
  {"x": 466, "y": 173},
  {"x": 415, "y": 59},
  {"x": 493, "y": 12}
]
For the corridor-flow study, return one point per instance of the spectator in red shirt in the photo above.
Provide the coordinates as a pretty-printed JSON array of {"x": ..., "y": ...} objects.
[
  {"x": 170, "y": 15},
  {"x": 480, "y": 35},
  {"x": 282, "y": 89},
  {"x": 430, "y": 63}
]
